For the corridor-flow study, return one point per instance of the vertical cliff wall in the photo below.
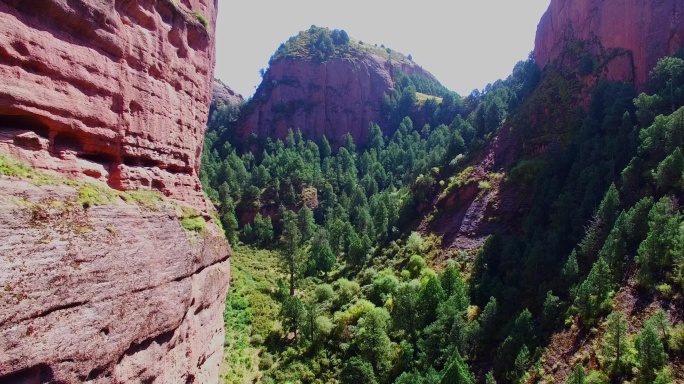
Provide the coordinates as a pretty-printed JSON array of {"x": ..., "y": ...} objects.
[
  {"x": 117, "y": 90},
  {"x": 98, "y": 285},
  {"x": 646, "y": 29}
]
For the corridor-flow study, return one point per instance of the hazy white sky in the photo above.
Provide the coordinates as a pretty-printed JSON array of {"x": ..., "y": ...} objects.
[{"x": 465, "y": 44}]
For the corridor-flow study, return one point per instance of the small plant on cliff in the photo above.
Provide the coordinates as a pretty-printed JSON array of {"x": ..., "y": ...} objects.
[
  {"x": 201, "y": 18},
  {"x": 195, "y": 224}
]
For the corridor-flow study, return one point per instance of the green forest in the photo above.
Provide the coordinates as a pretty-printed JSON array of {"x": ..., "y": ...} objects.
[{"x": 333, "y": 283}]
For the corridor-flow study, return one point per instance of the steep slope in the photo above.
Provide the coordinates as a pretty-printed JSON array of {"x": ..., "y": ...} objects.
[
  {"x": 637, "y": 32},
  {"x": 325, "y": 88},
  {"x": 222, "y": 93},
  {"x": 98, "y": 284}
]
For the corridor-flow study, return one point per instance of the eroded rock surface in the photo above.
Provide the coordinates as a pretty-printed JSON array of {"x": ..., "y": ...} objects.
[
  {"x": 224, "y": 94},
  {"x": 118, "y": 292},
  {"x": 115, "y": 90},
  {"x": 340, "y": 96},
  {"x": 646, "y": 30}
]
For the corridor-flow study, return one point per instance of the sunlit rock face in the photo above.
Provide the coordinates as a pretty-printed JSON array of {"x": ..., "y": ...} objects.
[
  {"x": 340, "y": 96},
  {"x": 632, "y": 34},
  {"x": 115, "y": 92}
]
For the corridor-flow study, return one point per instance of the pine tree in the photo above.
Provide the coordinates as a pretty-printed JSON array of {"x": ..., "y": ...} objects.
[
  {"x": 650, "y": 354},
  {"x": 453, "y": 285},
  {"x": 457, "y": 372},
  {"x": 592, "y": 296},
  {"x": 661, "y": 323},
  {"x": 616, "y": 343},
  {"x": 357, "y": 371},
  {"x": 292, "y": 313},
  {"x": 405, "y": 314},
  {"x": 655, "y": 252},
  {"x": 289, "y": 240},
  {"x": 577, "y": 376},
  {"x": 669, "y": 172},
  {"x": 570, "y": 270},
  {"x": 306, "y": 223},
  {"x": 372, "y": 340},
  {"x": 430, "y": 297}
]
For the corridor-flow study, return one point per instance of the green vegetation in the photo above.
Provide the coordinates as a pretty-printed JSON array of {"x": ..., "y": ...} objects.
[
  {"x": 202, "y": 19},
  {"x": 93, "y": 194},
  {"x": 322, "y": 44},
  {"x": 360, "y": 297},
  {"x": 357, "y": 296}
]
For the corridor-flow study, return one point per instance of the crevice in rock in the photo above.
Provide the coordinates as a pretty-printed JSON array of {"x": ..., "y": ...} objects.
[
  {"x": 160, "y": 339},
  {"x": 61, "y": 308},
  {"x": 44, "y": 313},
  {"x": 38, "y": 374}
]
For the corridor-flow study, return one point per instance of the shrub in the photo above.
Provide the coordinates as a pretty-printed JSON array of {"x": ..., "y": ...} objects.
[
  {"x": 324, "y": 292},
  {"x": 416, "y": 265},
  {"x": 597, "y": 377},
  {"x": 193, "y": 224},
  {"x": 677, "y": 338}
]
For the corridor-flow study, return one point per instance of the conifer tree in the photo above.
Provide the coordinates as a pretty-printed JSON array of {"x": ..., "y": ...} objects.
[
  {"x": 577, "y": 376},
  {"x": 655, "y": 252},
  {"x": 457, "y": 372},
  {"x": 289, "y": 240},
  {"x": 650, "y": 354},
  {"x": 372, "y": 340},
  {"x": 616, "y": 343},
  {"x": 306, "y": 223}
]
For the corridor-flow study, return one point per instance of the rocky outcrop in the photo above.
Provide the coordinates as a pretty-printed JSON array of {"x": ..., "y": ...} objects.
[
  {"x": 631, "y": 34},
  {"x": 117, "y": 292},
  {"x": 342, "y": 95},
  {"x": 113, "y": 90},
  {"x": 223, "y": 94},
  {"x": 108, "y": 289}
]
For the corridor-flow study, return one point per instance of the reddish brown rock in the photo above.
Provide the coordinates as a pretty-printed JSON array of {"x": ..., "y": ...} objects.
[
  {"x": 333, "y": 98},
  {"x": 113, "y": 293},
  {"x": 114, "y": 90},
  {"x": 222, "y": 93},
  {"x": 647, "y": 29}
]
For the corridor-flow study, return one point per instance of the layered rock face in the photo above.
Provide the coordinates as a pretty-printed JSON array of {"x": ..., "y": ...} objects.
[
  {"x": 115, "y": 92},
  {"x": 116, "y": 293},
  {"x": 342, "y": 95},
  {"x": 647, "y": 30}
]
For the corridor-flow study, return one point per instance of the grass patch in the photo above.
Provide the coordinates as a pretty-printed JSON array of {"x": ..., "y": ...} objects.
[
  {"x": 202, "y": 19},
  {"x": 464, "y": 177},
  {"x": 421, "y": 98},
  {"x": 194, "y": 224},
  {"x": 91, "y": 196},
  {"x": 147, "y": 199},
  {"x": 484, "y": 185},
  {"x": 14, "y": 168}
]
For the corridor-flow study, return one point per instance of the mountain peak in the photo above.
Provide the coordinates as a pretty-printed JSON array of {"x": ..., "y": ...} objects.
[{"x": 325, "y": 83}]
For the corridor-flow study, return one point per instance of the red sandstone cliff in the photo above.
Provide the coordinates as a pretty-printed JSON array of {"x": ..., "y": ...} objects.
[
  {"x": 647, "y": 29},
  {"x": 115, "y": 92},
  {"x": 333, "y": 98}
]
